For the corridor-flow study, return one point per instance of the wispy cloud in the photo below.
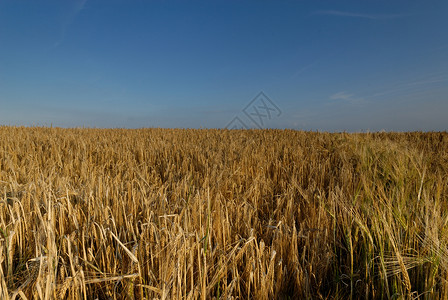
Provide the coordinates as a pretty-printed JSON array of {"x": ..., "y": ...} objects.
[
  {"x": 341, "y": 96},
  {"x": 360, "y": 15},
  {"x": 310, "y": 65},
  {"x": 303, "y": 69},
  {"x": 427, "y": 82},
  {"x": 75, "y": 8},
  {"x": 347, "y": 97}
]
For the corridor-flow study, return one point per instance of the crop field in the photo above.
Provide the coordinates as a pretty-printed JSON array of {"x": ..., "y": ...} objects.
[{"x": 222, "y": 214}]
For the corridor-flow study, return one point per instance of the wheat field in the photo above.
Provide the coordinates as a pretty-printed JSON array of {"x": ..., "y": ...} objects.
[{"x": 222, "y": 214}]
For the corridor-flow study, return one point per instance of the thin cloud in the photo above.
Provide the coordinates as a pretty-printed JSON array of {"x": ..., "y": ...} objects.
[
  {"x": 430, "y": 81},
  {"x": 341, "y": 96},
  {"x": 360, "y": 15},
  {"x": 346, "y": 97},
  {"x": 309, "y": 66},
  {"x": 302, "y": 69},
  {"x": 69, "y": 18},
  {"x": 427, "y": 82}
]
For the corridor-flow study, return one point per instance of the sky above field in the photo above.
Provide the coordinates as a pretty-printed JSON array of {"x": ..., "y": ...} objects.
[{"x": 319, "y": 65}]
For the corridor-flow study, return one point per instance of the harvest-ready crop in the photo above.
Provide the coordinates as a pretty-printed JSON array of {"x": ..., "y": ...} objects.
[{"x": 203, "y": 214}]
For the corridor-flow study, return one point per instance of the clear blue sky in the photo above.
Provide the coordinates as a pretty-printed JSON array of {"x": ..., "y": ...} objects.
[{"x": 327, "y": 65}]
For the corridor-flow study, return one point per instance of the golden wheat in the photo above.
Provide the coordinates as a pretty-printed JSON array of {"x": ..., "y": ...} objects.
[{"x": 217, "y": 214}]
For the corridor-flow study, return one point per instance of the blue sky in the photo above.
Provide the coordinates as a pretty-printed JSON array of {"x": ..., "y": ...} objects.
[{"x": 326, "y": 65}]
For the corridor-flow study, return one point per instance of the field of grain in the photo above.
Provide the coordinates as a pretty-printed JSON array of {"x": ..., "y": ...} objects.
[{"x": 219, "y": 214}]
